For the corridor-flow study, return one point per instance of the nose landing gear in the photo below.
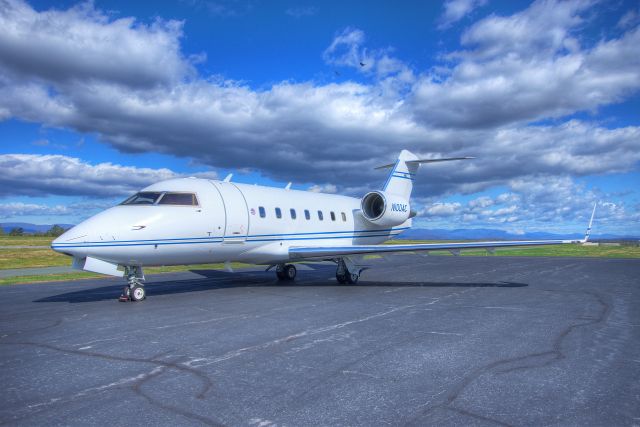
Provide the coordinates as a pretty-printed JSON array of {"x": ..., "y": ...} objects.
[{"x": 134, "y": 291}]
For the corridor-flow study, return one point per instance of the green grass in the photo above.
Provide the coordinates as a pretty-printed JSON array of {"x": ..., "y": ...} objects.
[
  {"x": 29, "y": 258},
  {"x": 174, "y": 268},
  {"x": 25, "y": 240},
  {"x": 47, "y": 278},
  {"x": 566, "y": 251},
  {"x": 542, "y": 251}
]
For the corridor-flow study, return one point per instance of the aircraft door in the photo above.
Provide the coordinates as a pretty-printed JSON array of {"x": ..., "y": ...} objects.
[{"x": 236, "y": 212}]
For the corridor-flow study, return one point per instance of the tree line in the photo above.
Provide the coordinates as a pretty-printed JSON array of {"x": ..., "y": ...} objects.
[{"x": 54, "y": 231}]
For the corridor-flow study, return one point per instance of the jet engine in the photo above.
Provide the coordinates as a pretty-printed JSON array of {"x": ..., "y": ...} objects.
[{"x": 385, "y": 209}]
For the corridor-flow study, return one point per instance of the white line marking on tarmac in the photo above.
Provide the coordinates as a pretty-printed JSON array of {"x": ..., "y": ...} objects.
[
  {"x": 203, "y": 361},
  {"x": 98, "y": 389}
]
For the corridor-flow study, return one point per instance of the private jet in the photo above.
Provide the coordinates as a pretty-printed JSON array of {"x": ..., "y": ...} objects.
[{"x": 197, "y": 221}]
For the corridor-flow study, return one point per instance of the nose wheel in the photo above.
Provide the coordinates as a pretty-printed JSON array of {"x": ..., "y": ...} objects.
[
  {"x": 134, "y": 291},
  {"x": 286, "y": 271},
  {"x": 138, "y": 293}
]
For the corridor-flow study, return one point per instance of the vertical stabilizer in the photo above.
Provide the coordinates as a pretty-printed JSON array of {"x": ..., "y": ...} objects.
[
  {"x": 400, "y": 179},
  {"x": 403, "y": 171}
]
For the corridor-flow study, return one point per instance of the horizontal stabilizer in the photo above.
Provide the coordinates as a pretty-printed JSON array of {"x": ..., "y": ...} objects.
[{"x": 418, "y": 162}]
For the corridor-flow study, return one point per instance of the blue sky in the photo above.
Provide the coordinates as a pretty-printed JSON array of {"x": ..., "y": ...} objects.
[{"x": 100, "y": 99}]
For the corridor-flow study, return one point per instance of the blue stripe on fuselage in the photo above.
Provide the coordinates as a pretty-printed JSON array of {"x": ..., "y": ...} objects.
[{"x": 249, "y": 238}]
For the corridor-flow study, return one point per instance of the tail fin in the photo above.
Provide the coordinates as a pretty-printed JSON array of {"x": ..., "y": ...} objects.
[
  {"x": 403, "y": 171},
  {"x": 400, "y": 179}
]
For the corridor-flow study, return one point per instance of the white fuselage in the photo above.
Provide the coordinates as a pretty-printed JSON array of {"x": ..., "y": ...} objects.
[{"x": 226, "y": 225}]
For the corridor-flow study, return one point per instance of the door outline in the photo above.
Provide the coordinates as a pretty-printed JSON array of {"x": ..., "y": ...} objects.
[{"x": 231, "y": 203}]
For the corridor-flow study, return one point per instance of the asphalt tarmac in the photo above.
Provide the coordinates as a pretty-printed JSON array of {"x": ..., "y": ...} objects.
[{"x": 419, "y": 341}]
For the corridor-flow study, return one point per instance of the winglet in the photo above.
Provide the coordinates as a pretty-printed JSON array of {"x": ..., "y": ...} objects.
[{"x": 586, "y": 235}]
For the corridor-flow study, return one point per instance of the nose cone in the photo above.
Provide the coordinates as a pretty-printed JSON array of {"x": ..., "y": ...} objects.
[
  {"x": 78, "y": 233},
  {"x": 95, "y": 235},
  {"x": 79, "y": 239},
  {"x": 69, "y": 242}
]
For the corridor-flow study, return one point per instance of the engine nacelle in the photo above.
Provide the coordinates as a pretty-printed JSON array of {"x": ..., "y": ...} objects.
[{"x": 385, "y": 209}]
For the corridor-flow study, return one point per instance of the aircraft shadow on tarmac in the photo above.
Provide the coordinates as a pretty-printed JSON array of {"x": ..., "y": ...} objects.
[{"x": 226, "y": 280}]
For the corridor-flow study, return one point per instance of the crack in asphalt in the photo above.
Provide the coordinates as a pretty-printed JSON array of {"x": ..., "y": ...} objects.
[
  {"x": 548, "y": 357},
  {"x": 346, "y": 367},
  {"x": 137, "y": 385}
]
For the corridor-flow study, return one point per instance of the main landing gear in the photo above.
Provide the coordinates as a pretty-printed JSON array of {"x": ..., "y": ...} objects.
[
  {"x": 286, "y": 271},
  {"x": 134, "y": 291},
  {"x": 344, "y": 276}
]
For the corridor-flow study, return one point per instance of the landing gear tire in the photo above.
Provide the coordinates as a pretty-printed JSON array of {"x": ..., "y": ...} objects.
[
  {"x": 137, "y": 293},
  {"x": 352, "y": 278},
  {"x": 344, "y": 276},
  {"x": 348, "y": 278},
  {"x": 290, "y": 271},
  {"x": 286, "y": 272}
]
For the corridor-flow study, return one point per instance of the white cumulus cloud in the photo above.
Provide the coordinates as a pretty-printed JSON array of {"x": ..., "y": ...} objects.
[
  {"x": 455, "y": 10},
  {"x": 42, "y": 175}
]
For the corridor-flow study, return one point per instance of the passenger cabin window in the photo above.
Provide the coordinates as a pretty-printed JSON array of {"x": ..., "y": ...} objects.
[
  {"x": 320, "y": 217},
  {"x": 179, "y": 199},
  {"x": 262, "y": 212},
  {"x": 278, "y": 213},
  {"x": 344, "y": 217},
  {"x": 143, "y": 198},
  {"x": 333, "y": 216},
  {"x": 307, "y": 215},
  {"x": 293, "y": 213}
]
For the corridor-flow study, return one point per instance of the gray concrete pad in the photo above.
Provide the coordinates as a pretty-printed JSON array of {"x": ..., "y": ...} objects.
[{"x": 419, "y": 341}]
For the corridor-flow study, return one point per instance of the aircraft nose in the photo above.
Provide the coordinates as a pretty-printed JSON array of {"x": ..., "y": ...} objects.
[
  {"x": 62, "y": 244},
  {"x": 71, "y": 240}
]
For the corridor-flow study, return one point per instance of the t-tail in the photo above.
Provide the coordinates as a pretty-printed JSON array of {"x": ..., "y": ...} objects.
[{"x": 403, "y": 172}]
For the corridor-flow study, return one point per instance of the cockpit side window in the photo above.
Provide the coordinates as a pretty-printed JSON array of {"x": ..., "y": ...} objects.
[
  {"x": 180, "y": 199},
  {"x": 143, "y": 198}
]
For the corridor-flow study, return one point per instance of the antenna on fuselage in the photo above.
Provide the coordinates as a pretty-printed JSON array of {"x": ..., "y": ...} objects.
[
  {"x": 228, "y": 178},
  {"x": 288, "y": 187}
]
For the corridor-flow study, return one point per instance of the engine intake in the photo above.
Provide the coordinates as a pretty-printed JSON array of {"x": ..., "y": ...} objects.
[{"x": 385, "y": 209}]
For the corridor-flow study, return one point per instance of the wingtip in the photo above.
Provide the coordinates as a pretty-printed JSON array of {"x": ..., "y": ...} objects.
[{"x": 588, "y": 233}]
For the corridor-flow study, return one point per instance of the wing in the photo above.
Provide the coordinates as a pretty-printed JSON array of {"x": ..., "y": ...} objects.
[{"x": 301, "y": 252}]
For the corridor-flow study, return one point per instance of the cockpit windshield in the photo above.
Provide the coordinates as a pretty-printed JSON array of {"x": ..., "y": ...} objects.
[
  {"x": 143, "y": 198},
  {"x": 181, "y": 199},
  {"x": 162, "y": 198}
]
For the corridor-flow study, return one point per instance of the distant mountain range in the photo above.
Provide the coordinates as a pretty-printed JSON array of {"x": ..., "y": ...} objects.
[{"x": 416, "y": 233}]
